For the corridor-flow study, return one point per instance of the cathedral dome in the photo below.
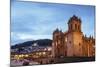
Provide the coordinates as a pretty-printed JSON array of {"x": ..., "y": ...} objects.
[{"x": 74, "y": 18}]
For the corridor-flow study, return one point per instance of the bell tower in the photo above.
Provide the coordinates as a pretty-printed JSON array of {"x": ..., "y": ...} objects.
[
  {"x": 74, "y": 37},
  {"x": 58, "y": 44},
  {"x": 74, "y": 24}
]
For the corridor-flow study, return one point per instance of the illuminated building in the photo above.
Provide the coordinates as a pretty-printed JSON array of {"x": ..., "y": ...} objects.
[{"x": 72, "y": 42}]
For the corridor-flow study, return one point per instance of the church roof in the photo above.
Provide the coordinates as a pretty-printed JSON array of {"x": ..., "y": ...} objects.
[
  {"x": 57, "y": 30},
  {"x": 74, "y": 17}
]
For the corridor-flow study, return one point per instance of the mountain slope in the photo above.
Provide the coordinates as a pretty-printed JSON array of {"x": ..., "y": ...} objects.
[{"x": 40, "y": 42}]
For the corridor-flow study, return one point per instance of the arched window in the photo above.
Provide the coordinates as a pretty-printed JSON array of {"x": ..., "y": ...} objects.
[
  {"x": 70, "y": 42},
  {"x": 78, "y": 27},
  {"x": 71, "y": 27},
  {"x": 75, "y": 26},
  {"x": 79, "y": 44}
]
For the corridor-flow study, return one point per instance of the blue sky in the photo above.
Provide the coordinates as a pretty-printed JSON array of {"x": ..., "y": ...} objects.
[{"x": 34, "y": 20}]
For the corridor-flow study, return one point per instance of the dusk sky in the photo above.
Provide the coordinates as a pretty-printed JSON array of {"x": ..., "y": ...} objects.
[{"x": 34, "y": 20}]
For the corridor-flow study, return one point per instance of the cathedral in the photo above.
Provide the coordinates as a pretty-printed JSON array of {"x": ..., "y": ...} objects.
[{"x": 72, "y": 43}]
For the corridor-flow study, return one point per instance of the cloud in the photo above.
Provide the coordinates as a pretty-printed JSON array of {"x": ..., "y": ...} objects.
[
  {"x": 30, "y": 20},
  {"x": 19, "y": 37}
]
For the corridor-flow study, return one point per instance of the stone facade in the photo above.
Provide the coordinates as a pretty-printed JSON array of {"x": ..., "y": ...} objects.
[{"x": 72, "y": 42}]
